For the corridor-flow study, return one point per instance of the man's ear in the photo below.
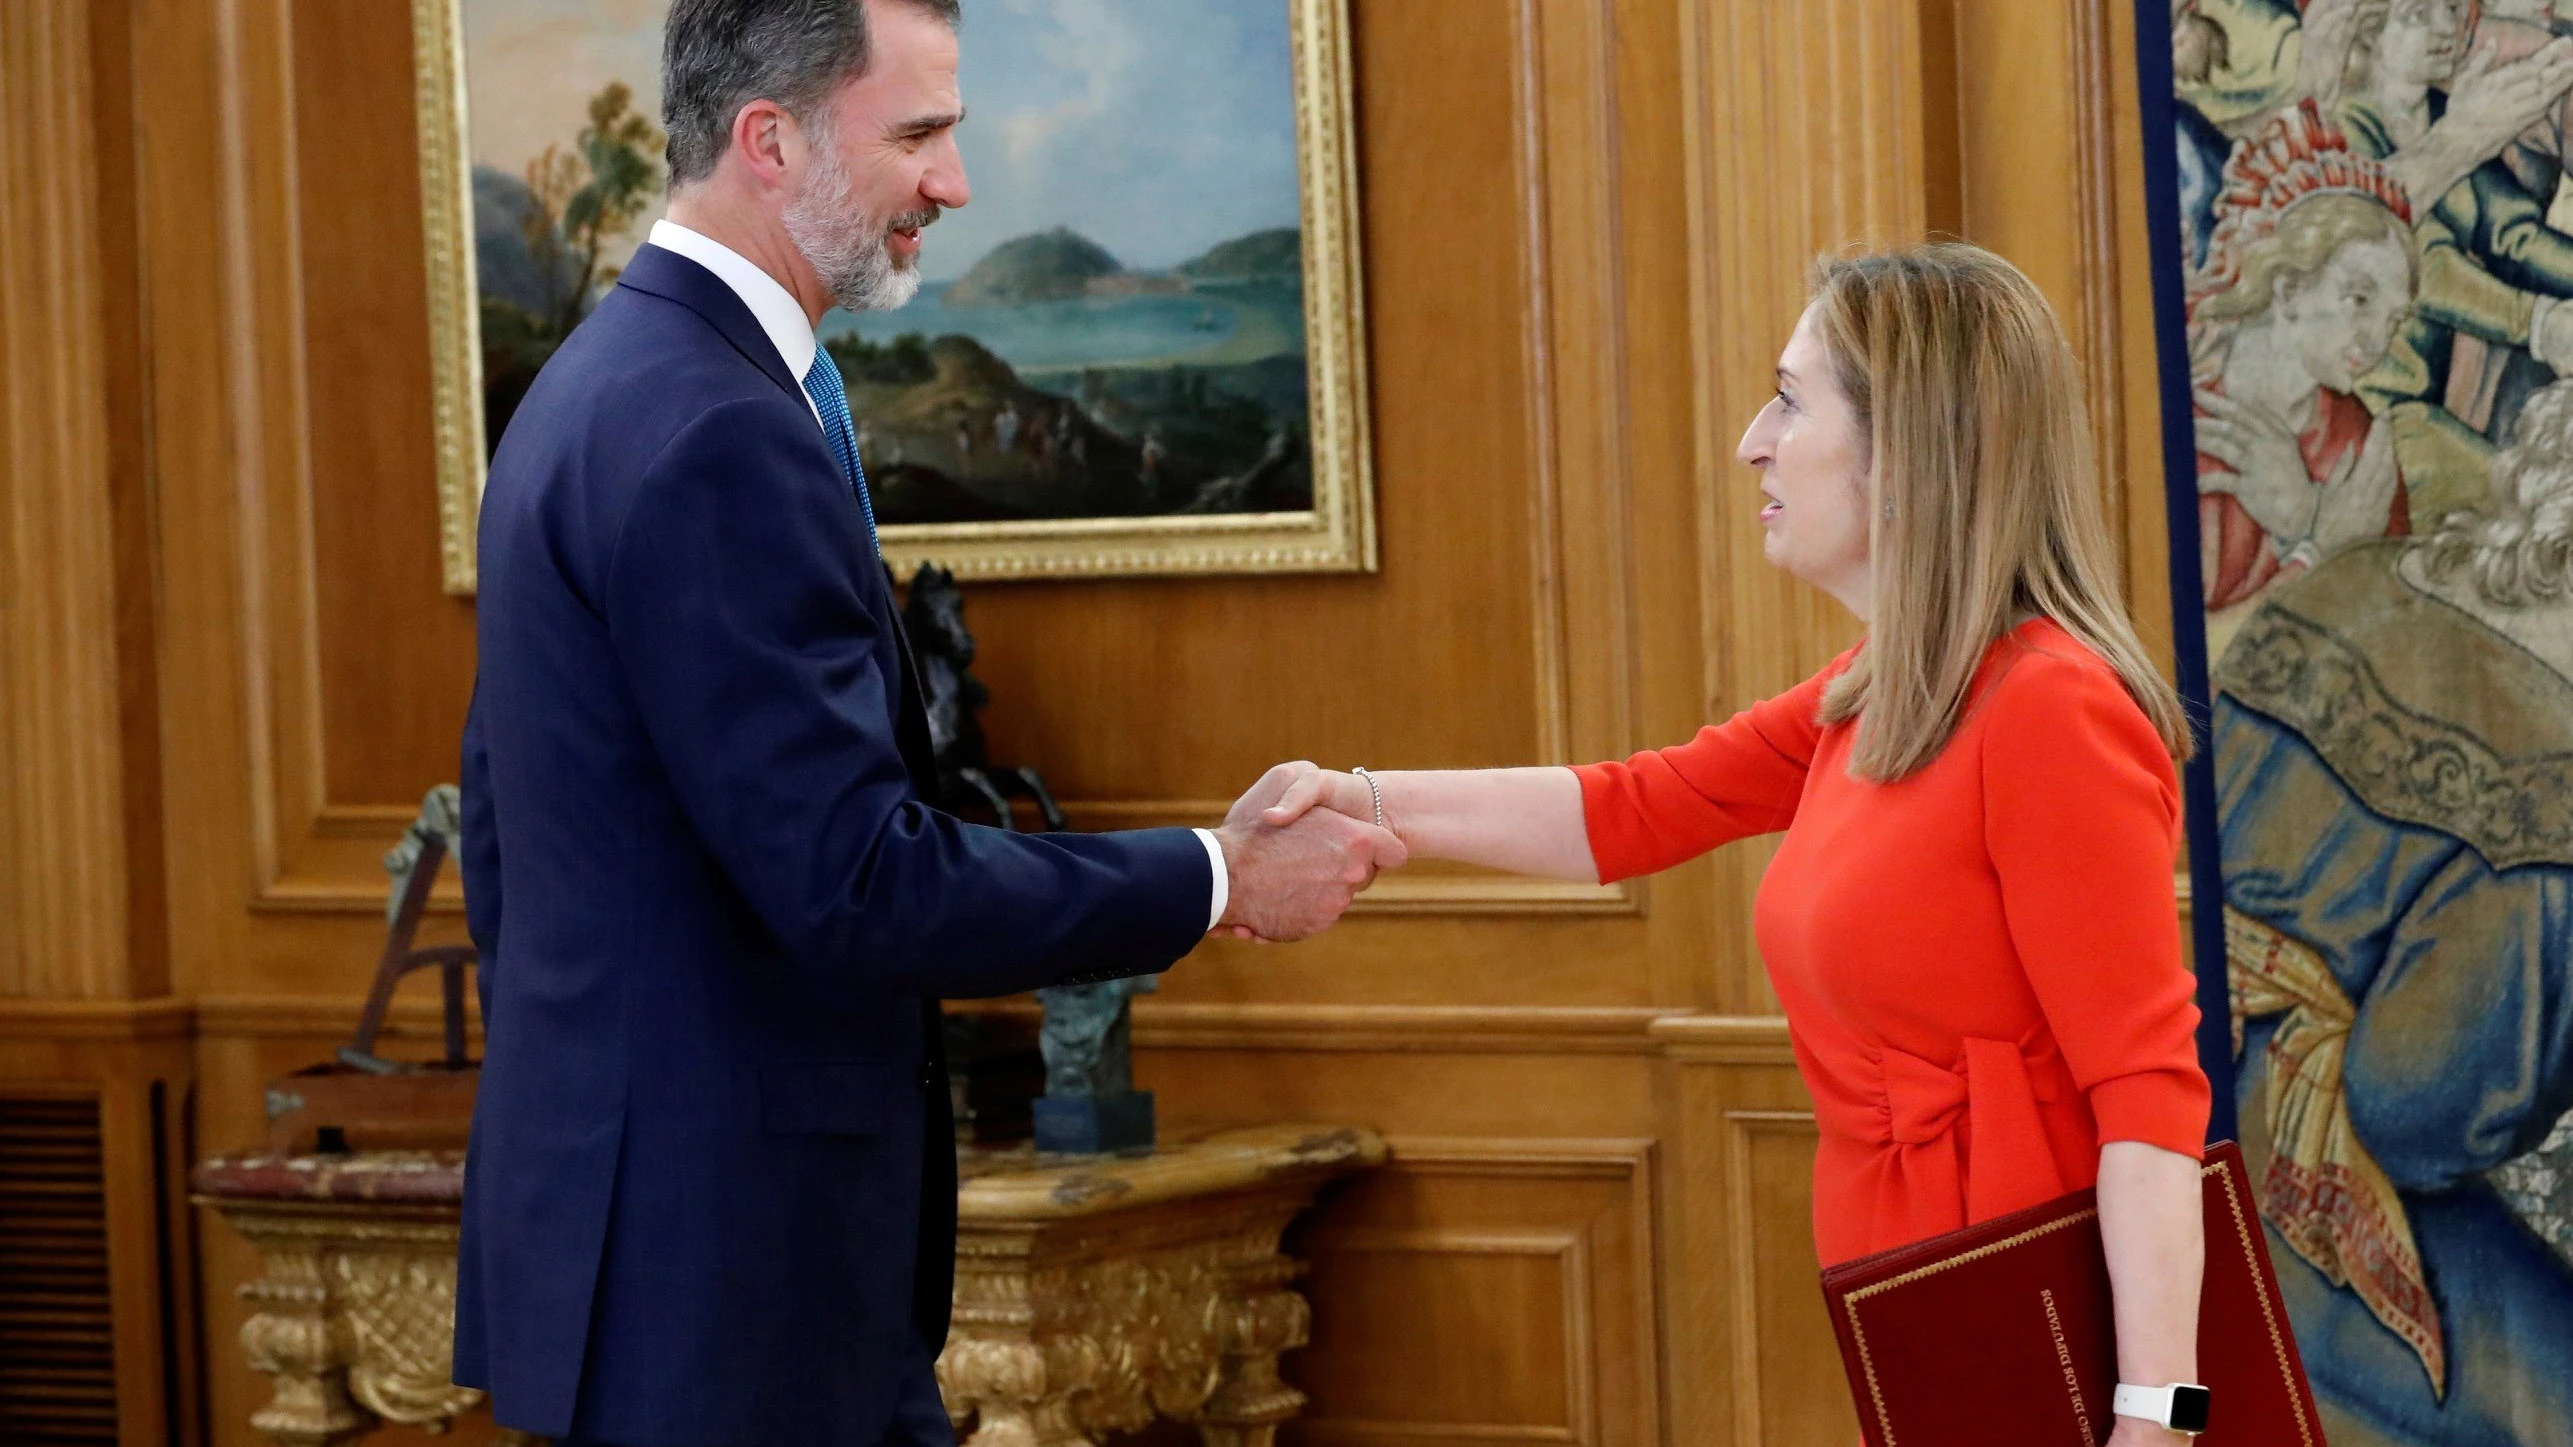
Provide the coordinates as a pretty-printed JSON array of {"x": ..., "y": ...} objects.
[{"x": 767, "y": 142}]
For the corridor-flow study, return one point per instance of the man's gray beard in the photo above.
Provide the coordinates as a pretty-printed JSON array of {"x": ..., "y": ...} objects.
[{"x": 844, "y": 245}]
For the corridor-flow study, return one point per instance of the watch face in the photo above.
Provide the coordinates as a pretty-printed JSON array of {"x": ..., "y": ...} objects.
[{"x": 2189, "y": 1409}]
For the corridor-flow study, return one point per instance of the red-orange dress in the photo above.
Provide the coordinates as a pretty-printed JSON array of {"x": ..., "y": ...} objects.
[{"x": 1980, "y": 963}]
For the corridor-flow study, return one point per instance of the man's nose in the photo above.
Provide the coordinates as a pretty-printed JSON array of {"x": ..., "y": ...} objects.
[{"x": 945, "y": 182}]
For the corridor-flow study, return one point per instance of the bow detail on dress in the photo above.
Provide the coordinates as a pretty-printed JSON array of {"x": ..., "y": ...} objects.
[{"x": 1992, "y": 1090}]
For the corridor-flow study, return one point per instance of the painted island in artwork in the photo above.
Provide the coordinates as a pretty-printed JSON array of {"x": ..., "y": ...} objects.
[{"x": 1052, "y": 381}]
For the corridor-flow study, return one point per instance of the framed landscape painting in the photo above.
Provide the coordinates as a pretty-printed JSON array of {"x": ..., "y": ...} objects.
[{"x": 1139, "y": 350}]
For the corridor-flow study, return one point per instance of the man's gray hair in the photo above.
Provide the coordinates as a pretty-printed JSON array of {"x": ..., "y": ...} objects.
[{"x": 720, "y": 55}]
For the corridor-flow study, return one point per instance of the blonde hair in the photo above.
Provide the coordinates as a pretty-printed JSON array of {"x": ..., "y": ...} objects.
[
  {"x": 2311, "y": 231},
  {"x": 1983, "y": 502}
]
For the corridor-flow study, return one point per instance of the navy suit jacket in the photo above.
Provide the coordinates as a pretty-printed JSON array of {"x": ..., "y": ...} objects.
[{"x": 711, "y": 1189}]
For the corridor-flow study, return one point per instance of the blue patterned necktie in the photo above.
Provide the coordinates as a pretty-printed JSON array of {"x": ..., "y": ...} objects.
[{"x": 831, "y": 398}]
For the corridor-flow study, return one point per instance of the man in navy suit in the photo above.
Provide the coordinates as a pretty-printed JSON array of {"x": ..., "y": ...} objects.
[{"x": 711, "y": 1195}]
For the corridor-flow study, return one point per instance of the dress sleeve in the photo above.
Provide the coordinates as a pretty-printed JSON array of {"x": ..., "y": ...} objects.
[
  {"x": 2081, "y": 819},
  {"x": 1735, "y": 779}
]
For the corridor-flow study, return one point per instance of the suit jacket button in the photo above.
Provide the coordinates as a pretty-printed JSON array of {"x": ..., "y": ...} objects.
[{"x": 928, "y": 1075}]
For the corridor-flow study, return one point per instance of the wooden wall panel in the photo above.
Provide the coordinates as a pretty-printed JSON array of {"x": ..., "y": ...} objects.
[
  {"x": 2023, "y": 134},
  {"x": 1806, "y": 133},
  {"x": 1769, "y": 1167},
  {"x": 69, "y": 619},
  {"x": 1513, "y": 1278},
  {"x": 395, "y": 675},
  {"x": 1588, "y": 227},
  {"x": 1753, "y": 1361}
]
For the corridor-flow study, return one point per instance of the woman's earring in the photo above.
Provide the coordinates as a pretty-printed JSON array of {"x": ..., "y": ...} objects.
[{"x": 1889, "y": 507}]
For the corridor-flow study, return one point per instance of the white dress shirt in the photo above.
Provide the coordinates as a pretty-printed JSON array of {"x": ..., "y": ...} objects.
[{"x": 781, "y": 316}]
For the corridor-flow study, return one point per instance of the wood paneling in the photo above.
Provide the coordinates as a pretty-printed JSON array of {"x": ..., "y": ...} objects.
[
  {"x": 1806, "y": 133},
  {"x": 231, "y": 671},
  {"x": 396, "y": 675},
  {"x": 1753, "y": 1362},
  {"x": 1514, "y": 1278},
  {"x": 70, "y": 623},
  {"x": 2023, "y": 133}
]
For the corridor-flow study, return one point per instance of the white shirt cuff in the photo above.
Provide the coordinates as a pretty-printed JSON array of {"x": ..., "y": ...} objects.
[{"x": 1223, "y": 892}]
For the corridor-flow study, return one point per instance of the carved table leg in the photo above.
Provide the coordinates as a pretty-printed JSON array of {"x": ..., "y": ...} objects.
[
  {"x": 1020, "y": 1393},
  {"x": 305, "y": 1346},
  {"x": 1259, "y": 1319}
]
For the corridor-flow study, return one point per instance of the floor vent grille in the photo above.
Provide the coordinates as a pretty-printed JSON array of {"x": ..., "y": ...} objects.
[{"x": 57, "y": 1343}]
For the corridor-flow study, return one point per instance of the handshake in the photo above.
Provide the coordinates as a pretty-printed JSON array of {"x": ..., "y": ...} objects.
[{"x": 1299, "y": 846}]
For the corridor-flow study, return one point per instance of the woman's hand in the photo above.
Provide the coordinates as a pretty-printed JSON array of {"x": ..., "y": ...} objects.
[
  {"x": 1329, "y": 789},
  {"x": 1271, "y": 786}
]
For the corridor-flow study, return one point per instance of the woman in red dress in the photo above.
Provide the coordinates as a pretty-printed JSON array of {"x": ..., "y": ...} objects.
[{"x": 1971, "y": 921}]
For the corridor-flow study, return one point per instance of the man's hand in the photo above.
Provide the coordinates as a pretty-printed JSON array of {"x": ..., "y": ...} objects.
[{"x": 1291, "y": 881}]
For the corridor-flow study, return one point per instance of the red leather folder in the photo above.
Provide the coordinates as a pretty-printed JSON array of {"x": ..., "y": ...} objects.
[{"x": 2001, "y": 1333}]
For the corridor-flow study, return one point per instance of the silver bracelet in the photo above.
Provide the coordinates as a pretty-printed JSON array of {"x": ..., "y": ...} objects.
[{"x": 1372, "y": 792}]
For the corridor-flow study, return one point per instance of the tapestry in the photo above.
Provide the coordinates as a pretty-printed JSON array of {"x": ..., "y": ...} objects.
[{"x": 2365, "y": 297}]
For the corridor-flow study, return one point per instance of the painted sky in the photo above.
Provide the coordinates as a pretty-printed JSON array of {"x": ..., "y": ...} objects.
[
  {"x": 1155, "y": 127},
  {"x": 531, "y": 67}
]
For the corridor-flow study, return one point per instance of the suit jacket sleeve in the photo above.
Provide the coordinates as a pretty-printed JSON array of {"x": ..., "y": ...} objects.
[
  {"x": 478, "y": 857},
  {"x": 736, "y": 596}
]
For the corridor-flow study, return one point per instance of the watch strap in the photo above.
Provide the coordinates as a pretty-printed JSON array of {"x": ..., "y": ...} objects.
[
  {"x": 2153, "y": 1404},
  {"x": 2157, "y": 1404}
]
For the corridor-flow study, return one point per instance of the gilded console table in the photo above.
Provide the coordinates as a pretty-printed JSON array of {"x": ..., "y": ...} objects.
[
  {"x": 354, "y": 1312},
  {"x": 1092, "y": 1295}
]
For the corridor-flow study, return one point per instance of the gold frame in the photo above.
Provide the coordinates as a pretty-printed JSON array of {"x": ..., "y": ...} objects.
[
  {"x": 455, "y": 309},
  {"x": 1338, "y": 535}
]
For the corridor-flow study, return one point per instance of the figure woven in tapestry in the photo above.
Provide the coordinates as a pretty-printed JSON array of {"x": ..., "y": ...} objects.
[{"x": 2377, "y": 246}]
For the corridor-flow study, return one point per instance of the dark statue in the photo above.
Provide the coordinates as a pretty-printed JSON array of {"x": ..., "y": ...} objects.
[
  {"x": 1088, "y": 1039},
  {"x": 934, "y": 615},
  {"x": 1090, "y": 1105}
]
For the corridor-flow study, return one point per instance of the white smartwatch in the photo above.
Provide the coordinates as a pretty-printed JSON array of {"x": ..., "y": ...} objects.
[{"x": 2181, "y": 1406}]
